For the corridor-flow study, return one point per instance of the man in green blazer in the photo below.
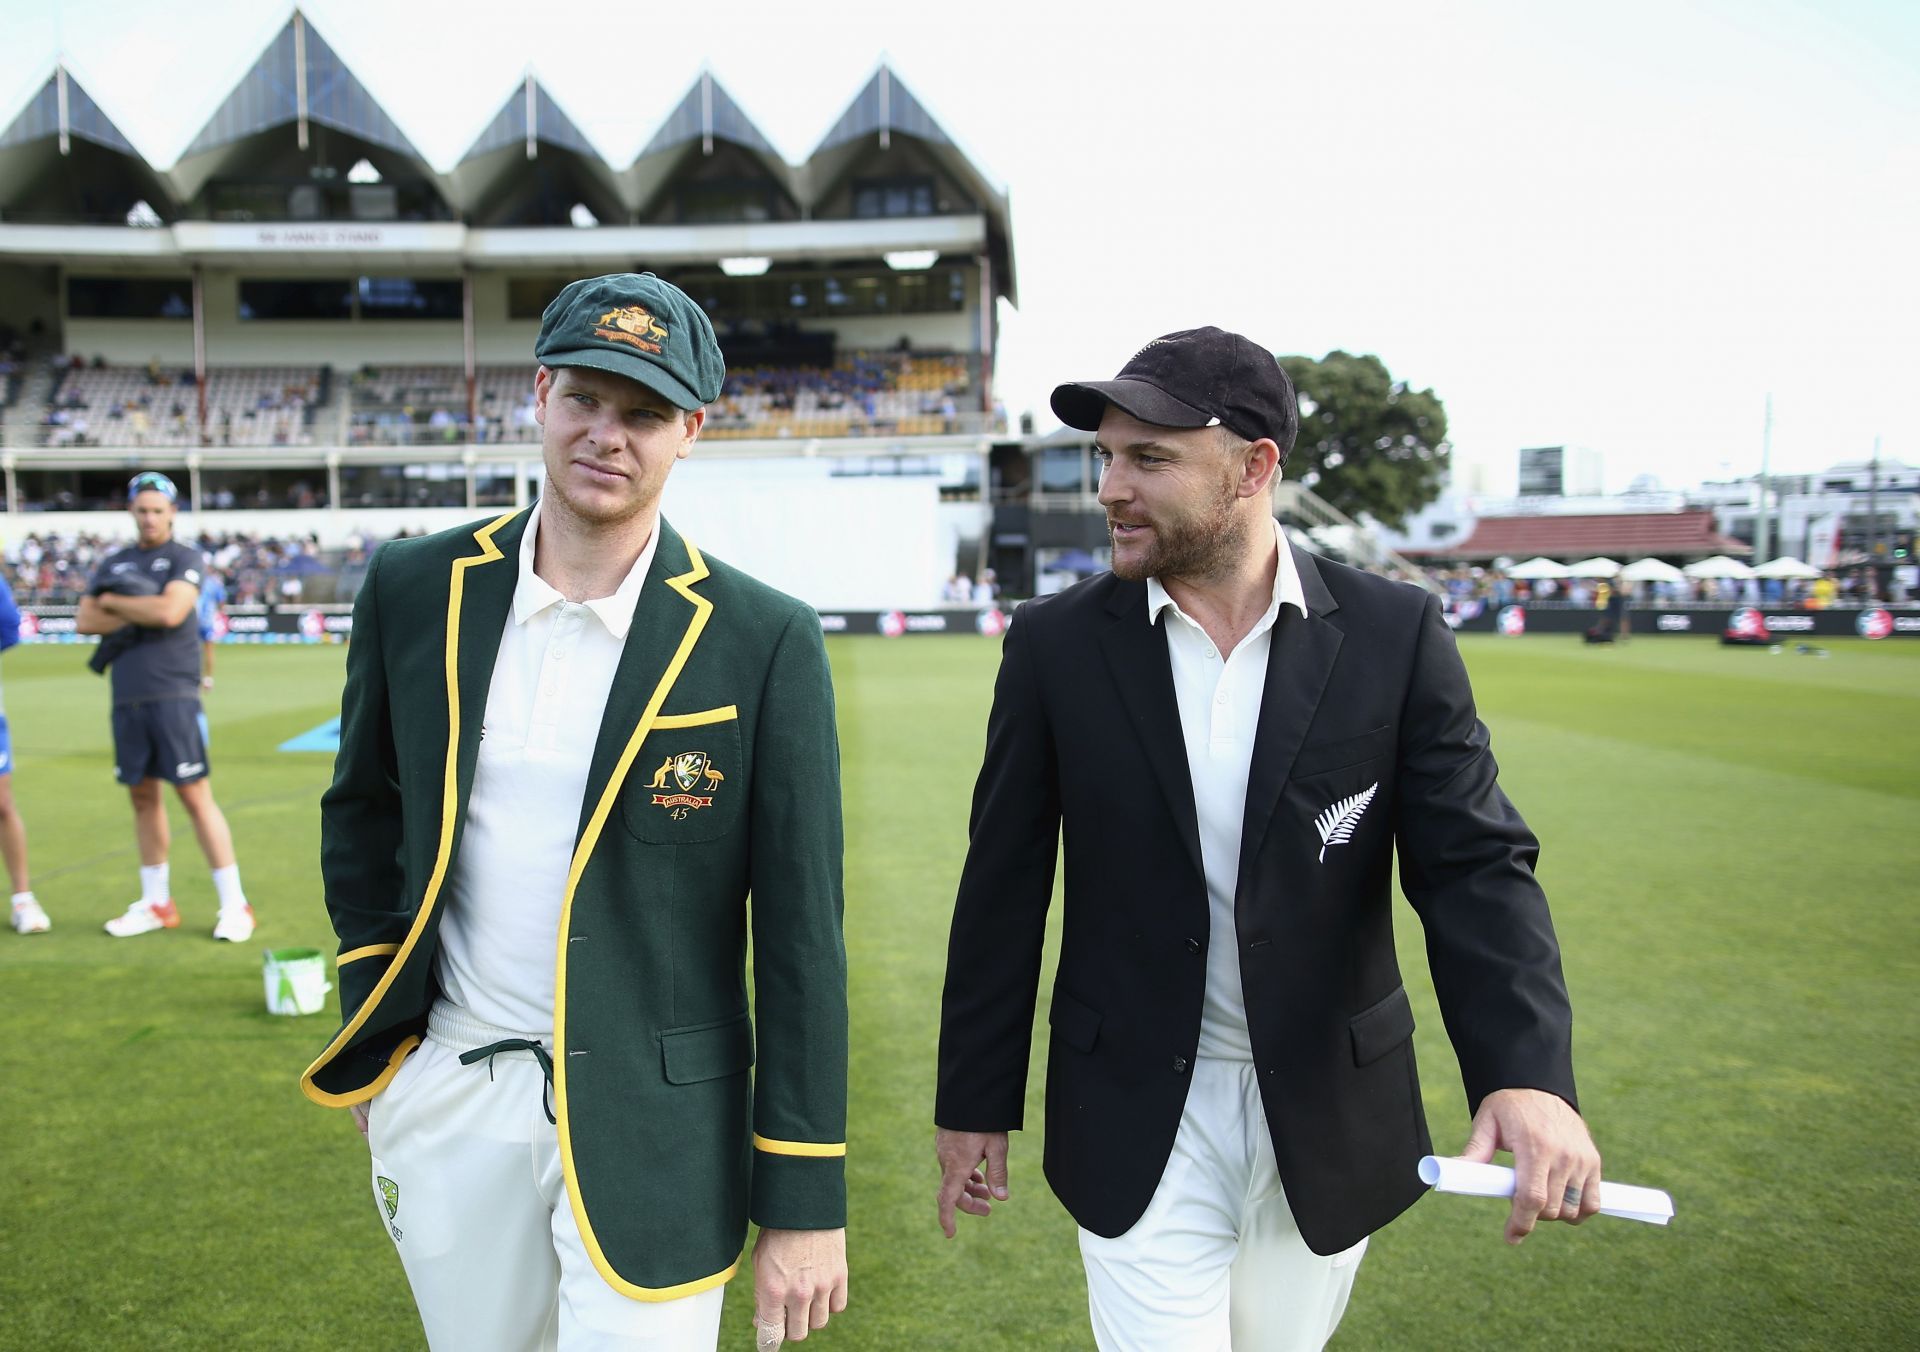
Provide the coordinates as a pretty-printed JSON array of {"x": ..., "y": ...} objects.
[{"x": 572, "y": 747}]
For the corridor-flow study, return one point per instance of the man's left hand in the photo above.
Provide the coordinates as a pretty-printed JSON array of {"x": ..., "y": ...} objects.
[
  {"x": 799, "y": 1278},
  {"x": 1556, "y": 1167}
]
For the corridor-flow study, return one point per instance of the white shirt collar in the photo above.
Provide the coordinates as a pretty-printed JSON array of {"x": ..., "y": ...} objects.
[
  {"x": 1287, "y": 590},
  {"x": 534, "y": 594}
]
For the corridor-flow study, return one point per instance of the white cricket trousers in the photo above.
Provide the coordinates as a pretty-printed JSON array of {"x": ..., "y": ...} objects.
[
  {"x": 467, "y": 1181},
  {"x": 1216, "y": 1263}
]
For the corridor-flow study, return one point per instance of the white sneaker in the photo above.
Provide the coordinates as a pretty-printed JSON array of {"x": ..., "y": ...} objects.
[
  {"x": 143, "y": 918},
  {"x": 30, "y": 918},
  {"x": 235, "y": 924}
]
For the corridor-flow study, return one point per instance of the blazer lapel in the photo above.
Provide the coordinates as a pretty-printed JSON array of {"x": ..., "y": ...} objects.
[
  {"x": 479, "y": 599},
  {"x": 1137, "y": 652},
  {"x": 667, "y": 624},
  {"x": 1298, "y": 665}
]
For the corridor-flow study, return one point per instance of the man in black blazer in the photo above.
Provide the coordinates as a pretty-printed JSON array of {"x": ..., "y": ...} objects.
[{"x": 1236, "y": 738}]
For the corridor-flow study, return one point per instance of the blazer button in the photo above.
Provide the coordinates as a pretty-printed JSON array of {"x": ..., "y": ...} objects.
[
  {"x": 1179, "y": 1065},
  {"x": 1193, "y": 945}
]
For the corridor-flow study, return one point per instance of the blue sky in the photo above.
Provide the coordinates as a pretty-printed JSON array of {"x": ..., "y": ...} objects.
[{"x": 1614, "y": 225}]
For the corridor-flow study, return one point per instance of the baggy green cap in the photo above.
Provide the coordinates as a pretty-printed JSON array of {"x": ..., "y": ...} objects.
[{"x": 635, "y": 325}]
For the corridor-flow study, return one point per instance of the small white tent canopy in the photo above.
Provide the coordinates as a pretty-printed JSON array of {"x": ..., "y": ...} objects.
[
  {"x": 1601, "y": 567},
  {"x": 1650, "y": 570},
  {"x": 1786, "y": 567},
  {"x": 1718, "y": 566},
  {"x": 1535, "y": 569}
]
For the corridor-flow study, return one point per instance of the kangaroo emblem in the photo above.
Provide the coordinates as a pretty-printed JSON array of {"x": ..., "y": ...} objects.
[{"x": 676, "y": 780}]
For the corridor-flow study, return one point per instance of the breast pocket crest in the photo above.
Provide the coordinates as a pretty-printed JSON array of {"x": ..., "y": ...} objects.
[{"x": 686, "y": 785}]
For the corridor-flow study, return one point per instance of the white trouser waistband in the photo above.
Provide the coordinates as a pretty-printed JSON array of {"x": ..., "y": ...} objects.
[{"x": 451, "y": 1026}]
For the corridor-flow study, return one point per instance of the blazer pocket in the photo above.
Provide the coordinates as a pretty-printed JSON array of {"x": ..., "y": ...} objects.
[
  {"x": 1321, "y": 758},
  {"x": 1073, "y": 1023},
  {"x": 688, "y": 782},
  {"x": 707, "y": 1051},
  {"x": 1381, "y": 1027}
]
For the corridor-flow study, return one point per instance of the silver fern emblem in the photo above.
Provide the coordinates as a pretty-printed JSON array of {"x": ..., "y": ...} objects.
[{"x": 1337, "y": 822}]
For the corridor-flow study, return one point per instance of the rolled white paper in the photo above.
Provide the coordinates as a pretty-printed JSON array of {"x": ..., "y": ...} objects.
[{"x": 1443, "y": 1173}]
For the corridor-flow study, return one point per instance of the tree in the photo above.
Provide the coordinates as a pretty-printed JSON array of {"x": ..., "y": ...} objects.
[{"x": 1368, "y": 444}]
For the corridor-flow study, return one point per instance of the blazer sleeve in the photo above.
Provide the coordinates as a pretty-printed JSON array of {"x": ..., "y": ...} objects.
[
  {"x": 799, "y": 955},
  {"x": 361, "y": 818},
  {"x": 1467, "y": 867},
  {"x": 1000, "y": 914}
]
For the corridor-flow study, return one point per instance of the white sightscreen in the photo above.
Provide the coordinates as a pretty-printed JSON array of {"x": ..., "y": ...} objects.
[{"x": 836, "y": 543}]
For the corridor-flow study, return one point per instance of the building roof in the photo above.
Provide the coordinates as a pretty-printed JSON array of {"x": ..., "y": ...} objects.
[
  {"x": 708, "y": 111},
  {"x": 1624, "y": 536},
  {"x": 527, "y": 118},
  {"x": 299, "y": 62},
  {"x": 44, "y": 116}
]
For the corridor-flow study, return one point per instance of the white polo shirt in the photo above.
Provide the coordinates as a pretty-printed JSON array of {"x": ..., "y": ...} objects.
[
  {"x": 556, "y": 662},
  {"x": 1219, "y": 713}
]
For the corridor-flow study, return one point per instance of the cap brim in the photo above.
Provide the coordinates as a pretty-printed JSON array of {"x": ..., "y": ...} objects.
[
  {"x": 656, "y": 378},
  {"x": 1084, "y": 403}
]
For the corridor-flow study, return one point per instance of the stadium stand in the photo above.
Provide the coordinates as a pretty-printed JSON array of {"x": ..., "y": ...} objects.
[
  {"x": 361, "y": 321},
  {"x": 104, "y": 405},
  {"x": 899, "y": 392}
]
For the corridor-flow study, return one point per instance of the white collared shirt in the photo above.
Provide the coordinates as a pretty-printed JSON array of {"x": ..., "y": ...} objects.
[
  {"x": 1219, "y": 712},
  {"x": 555, "y": 665}
]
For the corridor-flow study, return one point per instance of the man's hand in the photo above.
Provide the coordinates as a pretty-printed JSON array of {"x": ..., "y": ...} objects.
[
  {"x": 799, "y": 1278},
  {"x": 1556, "y": 1167},
  {"x": 359, "y": 1111},
  {"x": 962, "y": 1184}
]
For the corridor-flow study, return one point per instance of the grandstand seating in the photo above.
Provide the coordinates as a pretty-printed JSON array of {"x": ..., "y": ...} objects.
[
  {"x": 152, "y": 406},
  {"x": 897, "y": 392}
]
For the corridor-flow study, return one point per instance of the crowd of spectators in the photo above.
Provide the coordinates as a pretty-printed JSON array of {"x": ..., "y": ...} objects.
[
  {"x": 898, "y": 392},
  {"x": 54, "y": 567},
  {"x": 98, "y": 404}
]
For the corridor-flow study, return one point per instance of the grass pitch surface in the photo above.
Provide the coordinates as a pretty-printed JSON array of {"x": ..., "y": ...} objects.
[{"x": 1731, "y": 850}]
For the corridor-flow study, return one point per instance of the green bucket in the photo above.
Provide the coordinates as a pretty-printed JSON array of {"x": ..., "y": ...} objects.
[{"x": 296, "y": 980}]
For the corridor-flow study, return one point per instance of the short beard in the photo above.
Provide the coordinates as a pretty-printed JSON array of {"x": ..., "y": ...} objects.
[{"x": 1194, "y": 548}]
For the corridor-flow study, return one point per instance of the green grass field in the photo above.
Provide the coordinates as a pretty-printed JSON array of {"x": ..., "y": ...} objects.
[{"x": 1730, "y": 845}]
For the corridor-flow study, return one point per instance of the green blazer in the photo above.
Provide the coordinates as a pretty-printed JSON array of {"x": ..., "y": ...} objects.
[{"x": 668, "y": 1143}]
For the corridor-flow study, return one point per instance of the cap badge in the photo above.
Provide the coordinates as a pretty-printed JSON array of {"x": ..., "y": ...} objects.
[{"x": 632, "y": 324}]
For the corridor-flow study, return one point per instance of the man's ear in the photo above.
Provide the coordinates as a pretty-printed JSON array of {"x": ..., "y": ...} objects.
[
  {"x": 695, "y": 420},
  {"x": 542, "y": 387},
  {"x": 1259, "y": 467}
]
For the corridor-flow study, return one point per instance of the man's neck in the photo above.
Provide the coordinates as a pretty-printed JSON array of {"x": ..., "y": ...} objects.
[
  {"x": 1227, "y": 604},
  {"x": 585, "y": 561}
]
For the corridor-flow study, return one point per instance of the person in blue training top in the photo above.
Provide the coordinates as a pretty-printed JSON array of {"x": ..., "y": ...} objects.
[
  {"x": 28, "y": 917},
  {"x": 213, "y": 596}
]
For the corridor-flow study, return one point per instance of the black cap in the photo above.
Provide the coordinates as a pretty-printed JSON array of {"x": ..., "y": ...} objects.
[
  {"x": 1194, "y": 378},
  {"x": 635, "y": 325}
]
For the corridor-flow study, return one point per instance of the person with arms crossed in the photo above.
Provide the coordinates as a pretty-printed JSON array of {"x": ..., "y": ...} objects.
[
  {"x": 572, "y": 747},
  {"x": 142, "y": 601},
  {"x": 1237, "y": 738},
  {"x": 27, "y": 914}
]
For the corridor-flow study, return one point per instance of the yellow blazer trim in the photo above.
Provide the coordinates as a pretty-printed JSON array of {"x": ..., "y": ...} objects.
[
  {"x": 450, "y": 795},
  {"x": 821, "y": 1150},
  {"x": 650, "y": 718},
  {"x": 395, "y": 1059},
  {"x": 726, "y": 713},
  {"x": 370, "y": 951}
]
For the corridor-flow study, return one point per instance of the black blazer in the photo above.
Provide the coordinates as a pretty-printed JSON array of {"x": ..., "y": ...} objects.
[{"x": 1366, "y": 693}]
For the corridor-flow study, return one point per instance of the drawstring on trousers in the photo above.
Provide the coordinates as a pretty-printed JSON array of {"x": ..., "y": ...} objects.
[{"x": 518, "y": 1044}]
